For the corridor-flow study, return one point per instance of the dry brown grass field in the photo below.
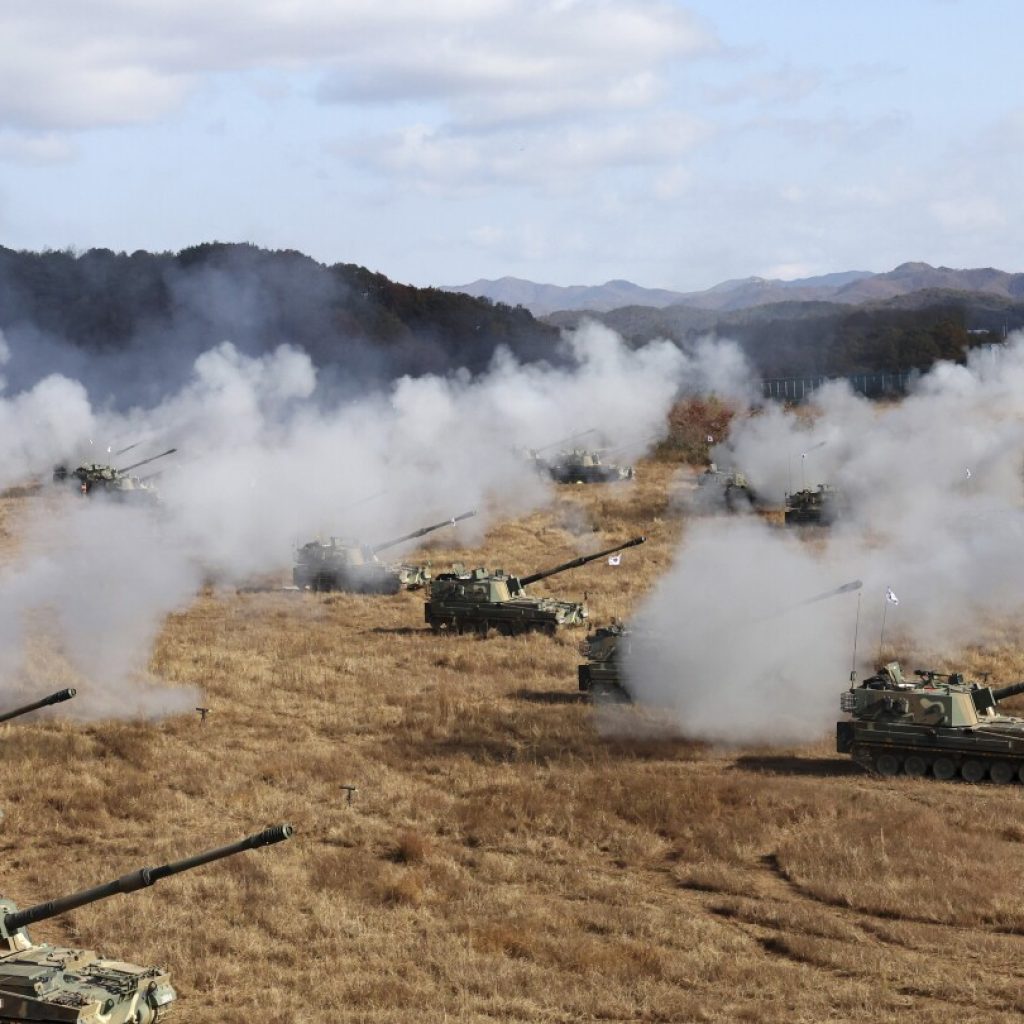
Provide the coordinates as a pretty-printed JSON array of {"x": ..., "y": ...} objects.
[{"x": 500, "y": 859}]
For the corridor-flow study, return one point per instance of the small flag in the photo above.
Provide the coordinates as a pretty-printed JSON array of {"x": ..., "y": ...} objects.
[
  {"x": 890, "y": 596},
  {"x": 615, "y": 559}
]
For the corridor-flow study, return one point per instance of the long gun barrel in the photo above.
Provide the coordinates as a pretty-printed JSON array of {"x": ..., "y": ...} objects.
[
  {"x": 629, "y": 444},
  {"x": 1008, "y": 691},
  {"x": 985, "y": 697},
  {"x": 139, "y": 879},
  {"x": 54, "y": 698},
  {"x": 420, "y": 533},
  {"x": 565, "y": 440},
  {"x": 576, "y": 562},
  {"x": 152, "y": 458}
]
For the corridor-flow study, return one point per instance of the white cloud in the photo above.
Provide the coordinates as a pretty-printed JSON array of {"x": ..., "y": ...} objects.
[
  {"x": 98, "y": 62},
  {"x": 968, "y": 212},
  {"x": 553, "y": 158},
  {"x": 35, "y": 147}
]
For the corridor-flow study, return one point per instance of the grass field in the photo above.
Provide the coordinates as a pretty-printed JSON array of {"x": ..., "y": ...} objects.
[{"x": 500, "y": 860}]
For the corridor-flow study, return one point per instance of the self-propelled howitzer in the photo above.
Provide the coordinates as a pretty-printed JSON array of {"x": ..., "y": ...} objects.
[
  {"x": 821, "y": 507},
  {"x": 480, "y": 600},
  {"x": 55, "y": 698},
  {"x": 584, "y": 466},
  {"x": 97, "y": 478},
  {"x": 50, "y": 984},
  {"x": 348, "y": 565},
  {"x": 940, "y": 726}
]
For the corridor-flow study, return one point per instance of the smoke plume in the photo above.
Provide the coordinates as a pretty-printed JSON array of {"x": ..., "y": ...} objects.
[
  {"x": 935, "y": 513},
  {"x": 270, "y": 456}
]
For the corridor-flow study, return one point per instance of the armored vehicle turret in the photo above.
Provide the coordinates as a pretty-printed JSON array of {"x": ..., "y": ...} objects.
[
  {"x": 937, "y": 725},
  {"x": 723, "y": 490},
  {"x": 822, "y": 506},
  {"x": 584, "y": 466},
  {"x": 48, "y": 984},
  {"x": 54, "y": 698},
  {"x": 578, "y": 465},
  {"x": 348, "y": 565},
  {"x": 478, "y": 601},
  {"x": 96, "y": 478}
]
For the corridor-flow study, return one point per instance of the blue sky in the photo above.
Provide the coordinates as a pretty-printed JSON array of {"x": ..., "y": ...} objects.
[{"x": 566, "y": 141}]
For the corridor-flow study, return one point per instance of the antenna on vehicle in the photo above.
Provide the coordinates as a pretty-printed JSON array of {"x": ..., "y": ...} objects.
[
  {"x": 856, "y": 634},
  {"x": 890, "y": 598},
  {"x": 803, "y": 460}
]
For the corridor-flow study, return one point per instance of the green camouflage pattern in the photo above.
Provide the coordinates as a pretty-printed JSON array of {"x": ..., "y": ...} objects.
[
  {"x": 939, "y": 726},
  {"x": 581, "y": 466},
  {"x": 727, "y": 490},
  {"x": 820, "y": 507},
  {"x": 47, "y": 984},
  {"x": 479, "y": 601},
  {"x": 95, "y": 478},
  {"x": 339, "y": 564},
  {"x": 601, "y": 679}
]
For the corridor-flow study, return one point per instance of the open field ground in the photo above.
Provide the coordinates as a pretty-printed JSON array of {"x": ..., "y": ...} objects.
[{"x": 501, "y": 860}]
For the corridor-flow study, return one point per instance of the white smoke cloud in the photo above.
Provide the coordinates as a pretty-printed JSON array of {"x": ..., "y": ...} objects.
[
  {"x": 266, "y": 461},
  {"x": 936, "y": 512},
  {"x": 722, "y": 644},
  {"x": 720, "y": 367},
  {"x": 93, "y": 586}
]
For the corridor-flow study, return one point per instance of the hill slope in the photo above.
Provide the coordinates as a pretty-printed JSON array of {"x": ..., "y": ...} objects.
[
  {"x": 852, "y": 287},
  {"x": 145, "y": 316},
  {"x": 792, "y": 339}
]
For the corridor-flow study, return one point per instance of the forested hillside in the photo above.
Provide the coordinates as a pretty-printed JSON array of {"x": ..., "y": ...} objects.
[
  {"x": 810, "y": 338},
  {"x": 168, "y": 307},
  {"x": 133, "y": 324}
]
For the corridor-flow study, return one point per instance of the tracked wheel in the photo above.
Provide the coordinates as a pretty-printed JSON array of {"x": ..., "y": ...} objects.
[
  {"x": 887, "y": 765},
  {"x": 944, "y": 768},
  {"x": 604, "y": 692},
  {"x": 1002, "y": 773},
  {"x": 972, "y": 771},
  {"x": 915, "y": 766}
]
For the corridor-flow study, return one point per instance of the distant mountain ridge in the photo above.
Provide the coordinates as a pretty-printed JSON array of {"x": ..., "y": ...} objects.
[
  {"x": 541, "y": 299},
  {"x": 852, "y": 287}
]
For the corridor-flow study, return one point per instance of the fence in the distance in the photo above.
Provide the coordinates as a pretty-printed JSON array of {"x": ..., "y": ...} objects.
[{"x": 871, "y": 385}]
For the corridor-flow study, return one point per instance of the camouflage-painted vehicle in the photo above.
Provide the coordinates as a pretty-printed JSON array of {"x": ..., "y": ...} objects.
[
  {"x": 939, "y": 725},
  {"x": 540, "y": 462},
  {"x": 719, "y": 489},
  {"x": 584, "y": 466},
  {"x": 55, "y": 698},
  {"x": 479, "y": 601},
  {"x": 822, "y": 506},
  {"x": 96, "y": 478},
  {"x": 601, "y": 679},
  {"x": 48, "y": 984},
  {"x": 348, "y": 565}
]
